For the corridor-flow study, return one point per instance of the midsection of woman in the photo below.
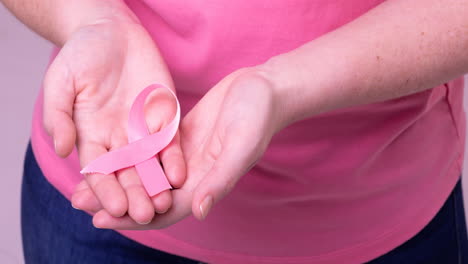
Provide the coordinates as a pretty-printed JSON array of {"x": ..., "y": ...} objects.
[{"x": 349, "y": 184}]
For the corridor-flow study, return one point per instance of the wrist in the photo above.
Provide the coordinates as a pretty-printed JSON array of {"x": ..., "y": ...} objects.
[
  {"x": 310, "y": 80},
  {"x": 286, "y": 96},
  {"x": 78, "y": 14},
  {"x": 261, "y": 77}
]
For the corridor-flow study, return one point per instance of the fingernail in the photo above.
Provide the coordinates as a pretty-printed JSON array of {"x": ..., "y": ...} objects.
[
  {"x": 144, "y": 223},
  {"x": 205, "y": 206},
  {"x": 74, "y": 207},
  {"x": 55, "y": 145}
]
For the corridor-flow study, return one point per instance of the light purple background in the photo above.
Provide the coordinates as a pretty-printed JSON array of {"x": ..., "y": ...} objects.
[{"x": 23, "y": 59}]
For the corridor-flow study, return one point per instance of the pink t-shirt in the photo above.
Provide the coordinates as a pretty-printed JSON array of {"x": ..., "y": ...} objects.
[{"x": 343, "y": 187}]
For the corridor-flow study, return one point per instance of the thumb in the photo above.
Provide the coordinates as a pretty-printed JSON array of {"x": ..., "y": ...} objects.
[
  {"x": 226, "y": 171},
  {"x": 59, "y": 97}
]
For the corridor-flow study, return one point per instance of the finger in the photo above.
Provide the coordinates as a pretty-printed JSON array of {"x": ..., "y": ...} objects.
[
  {"x": 181, "y": 208},
  {"x": 162, "y": 201},
  {"x": 173, "y": 162},
  {"x": 140, "y": 207},
  {"x": 59, "y": 98},
  {"x": 219, "y": 181},
  {"x": 107, "y": 189},
  {"x": 84, "y": 198}
]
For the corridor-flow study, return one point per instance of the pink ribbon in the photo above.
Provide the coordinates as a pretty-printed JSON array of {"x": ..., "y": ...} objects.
[{"x": 142, "y": 148}]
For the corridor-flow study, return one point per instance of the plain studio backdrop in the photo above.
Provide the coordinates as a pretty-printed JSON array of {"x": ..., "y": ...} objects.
[{"x": 23, "y": 60}]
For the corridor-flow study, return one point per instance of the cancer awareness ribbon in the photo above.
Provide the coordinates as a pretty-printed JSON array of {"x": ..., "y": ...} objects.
[{"x": 142, "y": 148}]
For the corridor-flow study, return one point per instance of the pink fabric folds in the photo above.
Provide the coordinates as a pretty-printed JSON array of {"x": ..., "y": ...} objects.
[{"x": 142, "y": 148}]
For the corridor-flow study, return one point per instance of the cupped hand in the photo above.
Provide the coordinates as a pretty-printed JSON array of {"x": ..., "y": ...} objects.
[
  {"x": 222, "y": 137},
  {"x": 88, "y": 91}
]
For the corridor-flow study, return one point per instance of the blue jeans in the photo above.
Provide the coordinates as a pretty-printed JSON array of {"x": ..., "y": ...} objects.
[{"x": 55, "y": 233}]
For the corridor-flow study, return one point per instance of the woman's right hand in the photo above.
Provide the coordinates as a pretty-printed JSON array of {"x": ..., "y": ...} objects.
[{"x": 88, "y": 91}]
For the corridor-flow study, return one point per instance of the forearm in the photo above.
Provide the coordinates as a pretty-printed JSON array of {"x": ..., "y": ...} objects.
[
  {"x": 398, "y": 48},
  {"x": 56, "y": 20}
]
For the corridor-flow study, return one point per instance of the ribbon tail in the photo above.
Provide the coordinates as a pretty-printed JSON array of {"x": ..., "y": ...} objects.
[{"x": 152, "y": 176}]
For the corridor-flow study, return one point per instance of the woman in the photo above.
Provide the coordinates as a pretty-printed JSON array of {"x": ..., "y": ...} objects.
[{"x": 334, "y": 130}]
